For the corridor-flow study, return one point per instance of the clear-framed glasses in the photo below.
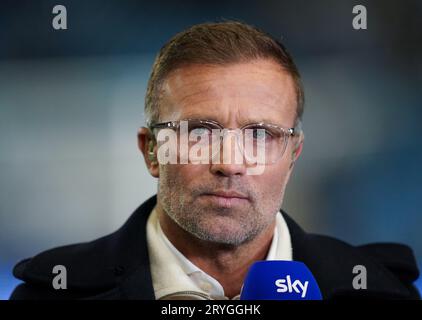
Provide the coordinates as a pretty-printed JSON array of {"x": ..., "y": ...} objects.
[{"x": 254, "y": 139}]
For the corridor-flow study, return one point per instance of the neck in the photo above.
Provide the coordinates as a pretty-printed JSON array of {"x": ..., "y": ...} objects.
[{"x": 228, "y": 264}]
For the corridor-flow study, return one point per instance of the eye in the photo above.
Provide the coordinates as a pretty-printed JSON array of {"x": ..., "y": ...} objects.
[
  {"x": 260, "y": 133},
  {"x": 199, "y": 129},
  {"x": 202, "y": 131}
]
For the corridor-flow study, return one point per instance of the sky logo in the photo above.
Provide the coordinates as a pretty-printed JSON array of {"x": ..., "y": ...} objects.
[{"x": 286, "y": 285}]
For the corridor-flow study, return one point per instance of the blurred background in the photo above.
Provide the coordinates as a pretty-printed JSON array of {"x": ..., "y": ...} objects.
[{"x": 71, "y": 102}]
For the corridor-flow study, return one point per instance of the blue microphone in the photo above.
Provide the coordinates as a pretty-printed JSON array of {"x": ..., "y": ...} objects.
[{"x": 280, "y": 280}]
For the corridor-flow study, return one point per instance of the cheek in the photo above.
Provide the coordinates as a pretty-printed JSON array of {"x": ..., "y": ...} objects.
[
  {"x": 279, "y": 169},
  {"x": 181, "y": 175},
  {"x": 274, "y": 179}
]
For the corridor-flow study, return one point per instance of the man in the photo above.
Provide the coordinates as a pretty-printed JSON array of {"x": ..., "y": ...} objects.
[{"x": 211, "y": 218}]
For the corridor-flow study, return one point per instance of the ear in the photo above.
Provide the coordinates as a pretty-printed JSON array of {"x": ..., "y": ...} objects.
[
  {"x": 297, "y": 148},
  {"x": 148, "y": 146}
]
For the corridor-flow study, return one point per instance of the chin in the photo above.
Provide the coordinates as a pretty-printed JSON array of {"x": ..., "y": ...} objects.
[{"x": 221, "y": 233}]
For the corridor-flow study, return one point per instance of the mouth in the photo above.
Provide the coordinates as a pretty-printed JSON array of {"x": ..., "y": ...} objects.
[{"x": 226, "y": 199}]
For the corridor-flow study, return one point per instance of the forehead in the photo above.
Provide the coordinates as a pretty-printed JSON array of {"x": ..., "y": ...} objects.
[{"x": 237, "y": 93}]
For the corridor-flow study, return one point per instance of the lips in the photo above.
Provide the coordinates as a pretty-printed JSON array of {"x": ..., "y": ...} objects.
[
  {"x": 227, "y": 194},
  {"x": 227, "y": 199}
]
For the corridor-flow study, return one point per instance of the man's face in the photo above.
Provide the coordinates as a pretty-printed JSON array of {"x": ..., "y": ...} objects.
[{"x": 220, "y": 202}]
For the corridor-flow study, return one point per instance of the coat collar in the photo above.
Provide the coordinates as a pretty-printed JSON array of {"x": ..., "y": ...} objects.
[{"x": 331, "y": 261}]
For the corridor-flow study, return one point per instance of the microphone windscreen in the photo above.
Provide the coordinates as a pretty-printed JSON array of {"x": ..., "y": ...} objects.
[{"x": 280, "y": 280}]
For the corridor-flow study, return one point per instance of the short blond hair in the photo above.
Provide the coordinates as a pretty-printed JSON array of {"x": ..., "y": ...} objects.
[{"x": 217, "y": 43}]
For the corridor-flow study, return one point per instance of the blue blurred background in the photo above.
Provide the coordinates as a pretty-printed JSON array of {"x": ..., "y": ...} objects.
[{"x": 71, "y": 102}]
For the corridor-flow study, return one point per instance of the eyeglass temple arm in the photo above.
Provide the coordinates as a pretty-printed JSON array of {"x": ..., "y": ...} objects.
[{"x": 297, "y": 129}]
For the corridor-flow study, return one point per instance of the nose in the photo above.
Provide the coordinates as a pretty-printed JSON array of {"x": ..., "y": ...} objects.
[
  {"x": 229, "y": 161},
  {"x": 227, "y": 170}
]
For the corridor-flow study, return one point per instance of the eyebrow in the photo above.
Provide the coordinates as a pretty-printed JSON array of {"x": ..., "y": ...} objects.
[{"x": 243, "y": 123}]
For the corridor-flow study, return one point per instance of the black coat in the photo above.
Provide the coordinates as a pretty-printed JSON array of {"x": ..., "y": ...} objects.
[{"x": 117, "y": 266}]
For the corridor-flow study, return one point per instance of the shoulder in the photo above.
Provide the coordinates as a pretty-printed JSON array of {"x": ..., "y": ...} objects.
[
  {"x": 87, "y": 269},
  {"x": 86, "y": 263},
  {"x": 92, "y": 268},
  {"x": 390, "y": 268}
]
